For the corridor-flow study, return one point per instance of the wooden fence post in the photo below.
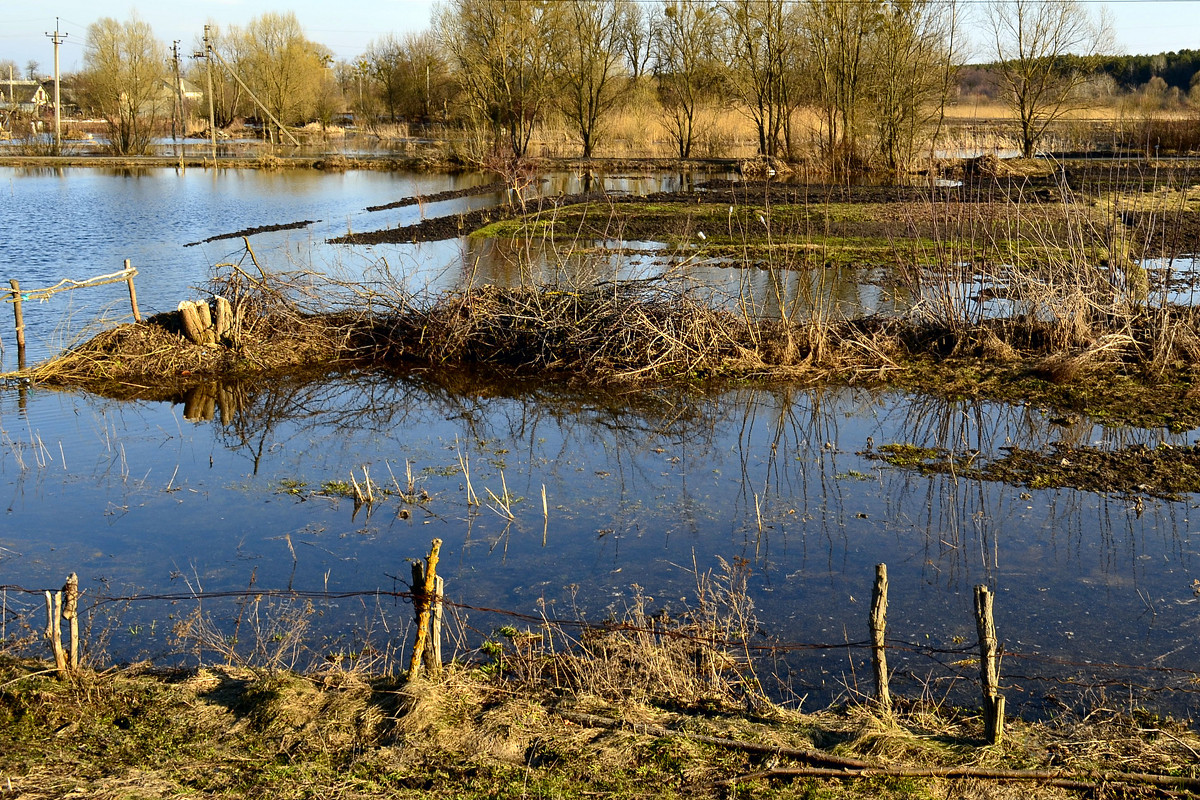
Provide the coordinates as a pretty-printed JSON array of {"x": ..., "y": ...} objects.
[
  {"x": 70, "y": 612},
  {"x": 433, "y": 653},
  {"x": 425, "y": 592},
  {"x": 19, "y": 315},
  {"x": 989, "y": 667},
  {"x": 54, "y": 629},
  {"x": 137, "y": 315},
  {"x": 879, "y": 603}
]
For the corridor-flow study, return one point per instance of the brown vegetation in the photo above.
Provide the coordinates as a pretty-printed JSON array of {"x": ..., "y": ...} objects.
[{"x": 654, "y": 706}]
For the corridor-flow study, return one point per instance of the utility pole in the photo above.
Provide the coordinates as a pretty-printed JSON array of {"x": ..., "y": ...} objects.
[
  {"x": 179, "y": 102},
  {"x": 58, "y": 39},
  {"x": 212, "y": 116}
]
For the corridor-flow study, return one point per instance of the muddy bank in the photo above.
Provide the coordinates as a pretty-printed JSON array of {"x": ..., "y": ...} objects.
[
  {"x": 437, "y": 197},
  {"x": 290, "y": 226},
  {"x": 617, "y": 215},
  {"x": 717, "y": 195},
  {"x": 614, "y": 335}
]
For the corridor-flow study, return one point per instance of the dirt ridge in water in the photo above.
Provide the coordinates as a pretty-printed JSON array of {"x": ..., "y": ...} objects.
[
  {"x": 437, "y": 197},
  {"x": 289, "y": 226}
]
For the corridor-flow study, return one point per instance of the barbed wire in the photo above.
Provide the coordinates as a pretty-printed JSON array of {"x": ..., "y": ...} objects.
[{"x": 965, "y": 653}]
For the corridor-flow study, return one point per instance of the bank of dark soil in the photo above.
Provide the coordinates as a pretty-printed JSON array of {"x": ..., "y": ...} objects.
[
  {"x": 437, "y": 197},
  {"x": 288, "y": 226}
]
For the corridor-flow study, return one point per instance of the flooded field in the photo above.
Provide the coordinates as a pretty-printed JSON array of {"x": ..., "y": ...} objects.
[{"x": 643, "y": 489}]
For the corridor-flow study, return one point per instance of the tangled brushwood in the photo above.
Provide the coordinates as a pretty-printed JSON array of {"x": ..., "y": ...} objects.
[{"x": 617, "y": 332}]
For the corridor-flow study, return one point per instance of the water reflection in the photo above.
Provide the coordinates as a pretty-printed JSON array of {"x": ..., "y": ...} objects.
[{"x": 640, "y": 486}]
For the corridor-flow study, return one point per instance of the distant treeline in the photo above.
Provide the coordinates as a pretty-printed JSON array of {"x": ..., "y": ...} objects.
[{"x": 1129, "y": 73}]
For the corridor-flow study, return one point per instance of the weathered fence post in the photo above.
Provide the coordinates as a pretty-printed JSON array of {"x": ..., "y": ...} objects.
[
  {"x": 54, "y": 629},
  {"x": 989, "y": 667},
  {"x": 433, "y": 653},
  {"x": 426, "y": 593},
  {"x": 879, "y": 603},
  {"x": 137, "y": 315},
  {"x": 70, "y": 612},
  {"x": 19, "y": 316}
]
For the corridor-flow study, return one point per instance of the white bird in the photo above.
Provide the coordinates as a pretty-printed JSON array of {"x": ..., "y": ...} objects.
[{"x": 700, "y": 235}]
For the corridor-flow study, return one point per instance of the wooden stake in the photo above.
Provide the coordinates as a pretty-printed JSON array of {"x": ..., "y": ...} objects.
[
  {"x": 54, "y": 629},
  {"x": 433, "y": 653},
  {"x": 137, "y": 315},
  {"x": 425, "y": 592},
  {"x": 18, "y": 313},
  {"x": 989, "y": 667},
  {"x": 70, "y": 612},
  {"x": 879, "y": 603}
]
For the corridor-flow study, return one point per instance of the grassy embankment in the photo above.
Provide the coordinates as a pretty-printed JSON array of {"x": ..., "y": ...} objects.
[
  {"x": 649, "y": 705},
  {"x": 236, "y": 732}
]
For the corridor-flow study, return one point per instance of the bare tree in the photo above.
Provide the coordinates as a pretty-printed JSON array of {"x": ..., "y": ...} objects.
[
  {"x": 685, "y": 42},
  {"x": 31, "y": 69},
  {"x": 411, "y": 74},
  {"x": 589, "y": 55},
  {"x": 385, "y": 65},
  {"x": 761, "y": 49},
  {"x": 637, "y": 39},
  {"x": 283, "y": 69},
  {"x": 1045, "y": 50},
  {"x": 125, "y": 80},
  {"x": 912, "y": 57},
  {"x": 839, "y": 33},
  {"x": 502, "y": 59}
]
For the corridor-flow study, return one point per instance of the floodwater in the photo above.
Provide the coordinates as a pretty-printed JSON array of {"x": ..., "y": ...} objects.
[{"x": 642, "y": 491}]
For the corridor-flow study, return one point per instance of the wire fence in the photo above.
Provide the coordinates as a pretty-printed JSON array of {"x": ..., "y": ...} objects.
[{"x": 1036, "y": 680}]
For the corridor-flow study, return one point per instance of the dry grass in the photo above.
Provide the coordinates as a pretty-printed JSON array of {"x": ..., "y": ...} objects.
[{"x": 233, "y": 731}]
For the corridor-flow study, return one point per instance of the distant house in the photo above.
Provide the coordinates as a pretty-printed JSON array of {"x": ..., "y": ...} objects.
[
  {"x": 28, "y": 97},
  {"x": 191, "y": 93}
]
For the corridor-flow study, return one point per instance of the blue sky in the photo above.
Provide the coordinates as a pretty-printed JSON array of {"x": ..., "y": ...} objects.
[{"x": 346, "y": 26}]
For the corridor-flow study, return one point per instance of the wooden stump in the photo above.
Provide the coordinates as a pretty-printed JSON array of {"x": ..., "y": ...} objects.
[
  {"x": 192, "y": 326},
  {"x": 223, "y": 318}
]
